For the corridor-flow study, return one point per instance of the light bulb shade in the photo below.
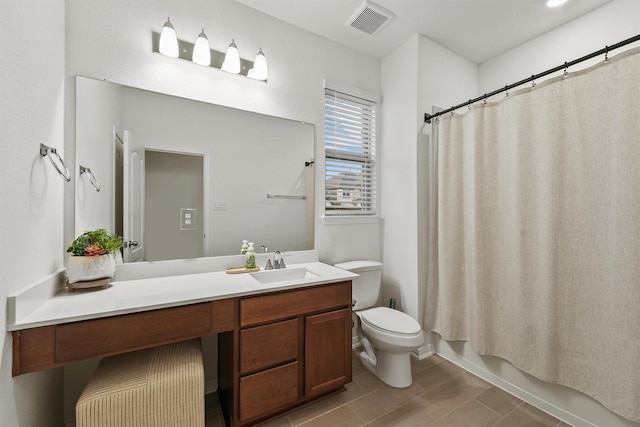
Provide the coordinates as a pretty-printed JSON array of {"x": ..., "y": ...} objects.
[
  {"x": 259, "y": 70},
  {"x": 231, "y": 62},
  {"x": 168, "y": 40},
  {"x": 555, "y": 3},
  {"x": 201, "y": 51}
]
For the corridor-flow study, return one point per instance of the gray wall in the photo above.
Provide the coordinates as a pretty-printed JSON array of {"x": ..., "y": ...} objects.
[{"x": 172, "y": 181}]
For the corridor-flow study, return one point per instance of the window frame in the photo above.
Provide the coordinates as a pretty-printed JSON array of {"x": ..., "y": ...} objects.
[{"x": 351, "y": 152}]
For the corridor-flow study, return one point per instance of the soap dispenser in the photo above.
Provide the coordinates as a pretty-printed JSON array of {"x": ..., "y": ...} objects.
[
  {"x": 244, "y": 248},
  {"x": 250, "y": 257}
]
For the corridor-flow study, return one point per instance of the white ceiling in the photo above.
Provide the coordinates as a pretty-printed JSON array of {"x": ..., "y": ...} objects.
[{"x": 474, "y": 29}]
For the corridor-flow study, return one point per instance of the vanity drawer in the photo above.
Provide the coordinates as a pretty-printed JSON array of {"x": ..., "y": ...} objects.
[
  {"x": 268, "y": 345},
  {"x": 268, "y": 308},
  {"x": 268, "y": 391}
]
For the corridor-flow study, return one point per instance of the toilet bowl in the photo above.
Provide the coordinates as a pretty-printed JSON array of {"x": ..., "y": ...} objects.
[
  {"x": 387, "y": 335},
  {"x": 393, "y": 335}
]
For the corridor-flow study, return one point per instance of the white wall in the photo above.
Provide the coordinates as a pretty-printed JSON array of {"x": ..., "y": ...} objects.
[
  {"x": 31, "y": 218},
  {"x": 416, "y": 76},
  {"x": 607, "y": 25},
  {"x": 398, "y": 190},
  {"x": 112, "y": 40}
]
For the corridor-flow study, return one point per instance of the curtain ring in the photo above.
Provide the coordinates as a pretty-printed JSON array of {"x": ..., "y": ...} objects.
[
  {"x": 606, "y": 54},
  {"x": 533, "y": 82},
  {"x": 469, "y": 105},
  {"x": 506, "y": 89},
  {"x": 566, "y": 70},
  {"x": 484, "y": 101}
]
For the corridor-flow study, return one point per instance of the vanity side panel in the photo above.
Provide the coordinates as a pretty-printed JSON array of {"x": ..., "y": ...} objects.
[{"x": 223, "y": 315}]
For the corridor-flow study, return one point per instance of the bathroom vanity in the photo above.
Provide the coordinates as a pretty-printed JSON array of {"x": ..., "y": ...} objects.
[
  {"x": 281, "y": 344},
  {"x": 288, "y": 348}
]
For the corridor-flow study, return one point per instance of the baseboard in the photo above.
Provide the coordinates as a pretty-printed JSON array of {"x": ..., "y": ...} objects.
[
  {"x": 423, "y": 352},
  {"x": 566, "y": 404},
  {"x": 355, "y": 343},
  {"x": 211, "y": 386}
]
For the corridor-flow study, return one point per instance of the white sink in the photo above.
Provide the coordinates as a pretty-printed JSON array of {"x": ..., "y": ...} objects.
[{"x": 283, "y": 275}]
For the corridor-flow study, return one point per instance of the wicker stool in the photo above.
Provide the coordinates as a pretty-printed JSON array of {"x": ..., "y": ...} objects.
[{"x": 161, "y": 386}]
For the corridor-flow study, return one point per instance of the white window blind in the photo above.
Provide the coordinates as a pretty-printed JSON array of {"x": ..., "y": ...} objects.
[{"x": 350, "y": 154}]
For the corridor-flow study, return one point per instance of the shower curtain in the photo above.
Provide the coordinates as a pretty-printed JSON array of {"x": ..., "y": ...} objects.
[{"x": 536, "y": 245}]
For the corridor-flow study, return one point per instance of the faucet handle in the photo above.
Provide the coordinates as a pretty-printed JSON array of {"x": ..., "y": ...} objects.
[{"x": 278, "y": 260}]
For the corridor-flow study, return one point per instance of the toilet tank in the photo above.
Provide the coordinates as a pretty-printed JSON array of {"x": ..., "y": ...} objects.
[{"x": 366, "y": 288}]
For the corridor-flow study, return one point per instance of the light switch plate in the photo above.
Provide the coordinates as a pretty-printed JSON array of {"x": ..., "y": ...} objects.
[{"x": 219, "y": 205}]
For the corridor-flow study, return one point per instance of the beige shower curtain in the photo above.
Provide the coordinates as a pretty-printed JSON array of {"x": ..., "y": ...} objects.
[{"x": 537, "y": 250}]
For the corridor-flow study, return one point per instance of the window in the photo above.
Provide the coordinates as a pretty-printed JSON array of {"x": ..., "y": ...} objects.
[{"x": 350, "y": 154}]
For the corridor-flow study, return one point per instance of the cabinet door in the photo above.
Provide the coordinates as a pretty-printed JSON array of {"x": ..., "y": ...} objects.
[{"x": 327, "y": 351}]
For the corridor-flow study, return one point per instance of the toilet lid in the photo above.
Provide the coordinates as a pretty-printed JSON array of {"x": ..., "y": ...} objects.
[{"x": 391, "y": 320}]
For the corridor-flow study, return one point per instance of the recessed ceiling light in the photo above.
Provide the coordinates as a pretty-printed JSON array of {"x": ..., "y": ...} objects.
[{"x": 555, "y": 3}]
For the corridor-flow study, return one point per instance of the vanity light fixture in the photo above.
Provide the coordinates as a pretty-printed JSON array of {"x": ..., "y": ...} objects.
[
  {"x": 259, "y": 70},
  {"x": 201, "y": 51},
  {"x": 168, "y": 40},
  {"x": 231, "y": 62},
  {"x": 166, "y": 43},
  {"x": 555, "y": 3}
]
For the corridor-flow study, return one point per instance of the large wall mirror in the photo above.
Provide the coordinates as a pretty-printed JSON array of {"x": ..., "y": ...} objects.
[{"x": 179, "y": 178}]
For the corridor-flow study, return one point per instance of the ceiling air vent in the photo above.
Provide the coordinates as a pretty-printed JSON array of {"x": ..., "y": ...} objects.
[{"x": 370, "y": 18}]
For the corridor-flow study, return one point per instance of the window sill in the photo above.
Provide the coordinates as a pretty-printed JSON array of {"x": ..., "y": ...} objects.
[{"x": 345, "y": 219}]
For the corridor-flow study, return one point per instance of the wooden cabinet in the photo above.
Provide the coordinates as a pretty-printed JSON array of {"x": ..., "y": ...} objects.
[
  {"x": 277, "y": 350},
  {"x": 327, "y": 368},
  {"x": 293, "y": 346}
]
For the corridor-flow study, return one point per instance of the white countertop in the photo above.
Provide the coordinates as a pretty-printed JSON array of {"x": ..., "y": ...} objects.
[{"x": 131, "y": 296}]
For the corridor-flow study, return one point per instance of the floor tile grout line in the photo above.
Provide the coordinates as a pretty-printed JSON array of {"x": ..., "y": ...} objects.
[{"x": 493, "y": 410}]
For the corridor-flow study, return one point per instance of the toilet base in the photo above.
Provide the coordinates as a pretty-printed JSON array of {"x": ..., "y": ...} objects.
[{"x": 393, "y": 369}]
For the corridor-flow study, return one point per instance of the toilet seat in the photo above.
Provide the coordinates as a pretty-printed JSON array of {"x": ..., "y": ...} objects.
[{"x": 391, "y": 321}]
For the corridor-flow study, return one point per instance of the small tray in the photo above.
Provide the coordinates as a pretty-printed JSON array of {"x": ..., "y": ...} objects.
[
  {"x": 240, "y": 270},
  {"x": 90, "y": 284}
]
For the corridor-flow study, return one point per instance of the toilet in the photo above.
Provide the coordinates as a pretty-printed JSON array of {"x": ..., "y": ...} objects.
[{"x": 387, "y": 335}]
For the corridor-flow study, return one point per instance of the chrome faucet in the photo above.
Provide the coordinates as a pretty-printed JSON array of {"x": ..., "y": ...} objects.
[{"x": 269, "y": 266}]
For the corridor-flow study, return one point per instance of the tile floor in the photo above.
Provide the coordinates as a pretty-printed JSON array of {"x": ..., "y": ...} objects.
[{"x": 442, "y": 394}]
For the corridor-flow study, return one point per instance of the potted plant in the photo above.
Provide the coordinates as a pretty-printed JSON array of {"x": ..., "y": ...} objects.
[{"x": 93, "y": 256}]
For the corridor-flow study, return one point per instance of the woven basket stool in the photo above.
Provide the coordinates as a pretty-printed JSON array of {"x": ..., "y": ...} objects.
[{"x": 161, "y": 386}]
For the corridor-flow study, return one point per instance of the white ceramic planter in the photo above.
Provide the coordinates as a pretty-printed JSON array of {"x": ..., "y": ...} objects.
[{"x": 83, "y": 268}]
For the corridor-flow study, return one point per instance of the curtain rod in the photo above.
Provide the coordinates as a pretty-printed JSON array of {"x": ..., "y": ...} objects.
[{"x": 605, "y": 51}]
